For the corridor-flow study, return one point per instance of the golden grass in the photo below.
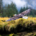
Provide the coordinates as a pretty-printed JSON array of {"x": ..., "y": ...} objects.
[
  {"x": 11, "y": 34},
  {"x": 14, "y": 23},
  {"x": 29, "y": 18},
  {"x": 4, "y": 18}
]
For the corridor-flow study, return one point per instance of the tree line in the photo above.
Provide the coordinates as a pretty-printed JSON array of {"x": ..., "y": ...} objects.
[
  {"x": 11, "y": 9},
  {"x": 32, "y": 12}
]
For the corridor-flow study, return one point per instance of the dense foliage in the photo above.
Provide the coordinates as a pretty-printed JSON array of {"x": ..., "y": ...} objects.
[
  {"x": 32, "y": 13},
  {"x": 10, "y": 10},
  {"x": 25, "y": 26}
]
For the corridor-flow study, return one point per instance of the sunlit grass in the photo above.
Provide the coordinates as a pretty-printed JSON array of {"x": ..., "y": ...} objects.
[
  {"x": 8, "y": 25},
  {"x": 17, "y": 21},
  {"x": 11, "y": 34}
]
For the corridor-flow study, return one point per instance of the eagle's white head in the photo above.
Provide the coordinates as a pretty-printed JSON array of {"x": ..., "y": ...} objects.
[{"x": 14, "y": 14}]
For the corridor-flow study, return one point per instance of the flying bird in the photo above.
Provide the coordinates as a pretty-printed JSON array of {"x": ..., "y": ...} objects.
[{"x": 20, "y": 15}]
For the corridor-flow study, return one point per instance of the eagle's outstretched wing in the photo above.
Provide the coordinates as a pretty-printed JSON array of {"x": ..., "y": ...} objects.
[{"x": 20, "y": 15}]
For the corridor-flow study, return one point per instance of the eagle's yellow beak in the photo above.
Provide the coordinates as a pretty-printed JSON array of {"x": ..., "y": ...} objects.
[{"x": 14, "y": 14}]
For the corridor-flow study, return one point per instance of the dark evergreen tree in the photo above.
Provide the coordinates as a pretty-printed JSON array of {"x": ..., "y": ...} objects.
[
  {"x": 10, "y": 10},
  {"x": 32, "y": 12},
  {"x": 21, "y": 10},
  {"x": 1, "y": 7}
]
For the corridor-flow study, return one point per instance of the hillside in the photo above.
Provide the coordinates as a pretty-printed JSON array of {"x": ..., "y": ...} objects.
[{"x": 17, "y": 26}]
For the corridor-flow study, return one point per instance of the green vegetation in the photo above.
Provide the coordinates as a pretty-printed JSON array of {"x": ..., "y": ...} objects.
[
  {"x": 11, "y": 9},
  {"x": 19, "y": 28},
  {"x": 21, "y": 25},
  {"x": 8, "y": 10},
  {"x": 32, "y": 12}
]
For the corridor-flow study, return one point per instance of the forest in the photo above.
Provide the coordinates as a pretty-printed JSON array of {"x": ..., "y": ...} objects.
[{"x": 11, "y": 9}]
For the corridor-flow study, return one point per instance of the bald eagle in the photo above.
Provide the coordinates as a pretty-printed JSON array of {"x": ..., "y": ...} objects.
[{"x": 20, "y": 15}]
